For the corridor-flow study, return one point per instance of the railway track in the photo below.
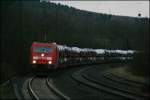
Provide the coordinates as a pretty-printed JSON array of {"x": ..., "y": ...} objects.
[
  {"x": 122, "y": 80},
  {"x": 107, "y": 85},
  {"x": 31, "y": 91},
  {"x": 43, "y": 88}
]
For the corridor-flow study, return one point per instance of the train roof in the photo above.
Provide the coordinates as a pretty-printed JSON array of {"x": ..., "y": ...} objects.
[
  {"x": 98, "y": 51},
  {"x": 78, "y": 50},
  {"x": 43, "y": 44}
]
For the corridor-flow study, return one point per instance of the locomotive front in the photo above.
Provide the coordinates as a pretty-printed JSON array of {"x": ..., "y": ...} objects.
[{"x": 43, "y": 55}]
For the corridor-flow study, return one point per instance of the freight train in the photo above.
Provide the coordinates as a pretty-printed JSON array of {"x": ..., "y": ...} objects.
[{"x": 54, "y": 56}]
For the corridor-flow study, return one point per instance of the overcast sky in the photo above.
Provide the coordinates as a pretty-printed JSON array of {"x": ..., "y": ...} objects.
[{"x": 125, "y": 8}]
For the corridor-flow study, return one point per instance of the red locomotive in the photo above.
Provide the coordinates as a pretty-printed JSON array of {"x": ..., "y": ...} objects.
[{"x": 43, "y": 54}]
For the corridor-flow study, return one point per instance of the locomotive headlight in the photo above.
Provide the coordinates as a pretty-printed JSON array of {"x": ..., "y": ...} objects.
[
  {"x": 42, "y": 55},
  {"x": 49, "y": 62},
  {"x": 34, "y": 61}
]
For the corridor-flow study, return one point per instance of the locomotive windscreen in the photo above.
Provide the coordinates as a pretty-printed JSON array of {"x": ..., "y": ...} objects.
[{"x": 40, "y": 49}]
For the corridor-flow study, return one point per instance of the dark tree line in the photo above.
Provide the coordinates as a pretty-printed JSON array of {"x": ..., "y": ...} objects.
[{"x": 23, "y": 22}]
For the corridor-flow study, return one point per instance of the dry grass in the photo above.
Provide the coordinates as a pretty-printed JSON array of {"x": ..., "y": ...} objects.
[
  {"x": 124, "y": 72},
  {"x": 7, "y": 93}
]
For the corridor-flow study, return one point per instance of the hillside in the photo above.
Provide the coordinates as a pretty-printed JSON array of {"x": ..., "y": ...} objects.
[{"x": 25, "y": 22}]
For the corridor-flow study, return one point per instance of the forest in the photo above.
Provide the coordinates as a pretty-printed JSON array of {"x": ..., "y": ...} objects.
[{"x": 23, "y": 22}]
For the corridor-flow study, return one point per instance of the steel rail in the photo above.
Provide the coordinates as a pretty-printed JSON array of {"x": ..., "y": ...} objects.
[
  {"x": 122, "y": 81},
  {"x": 54, "y": 89},
  {"x": 121, "y": 92},
  {"x": 30, "y": 90}
]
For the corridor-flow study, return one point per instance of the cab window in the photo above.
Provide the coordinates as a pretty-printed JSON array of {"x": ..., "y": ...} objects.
[{"x": 40, "y": 49}]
